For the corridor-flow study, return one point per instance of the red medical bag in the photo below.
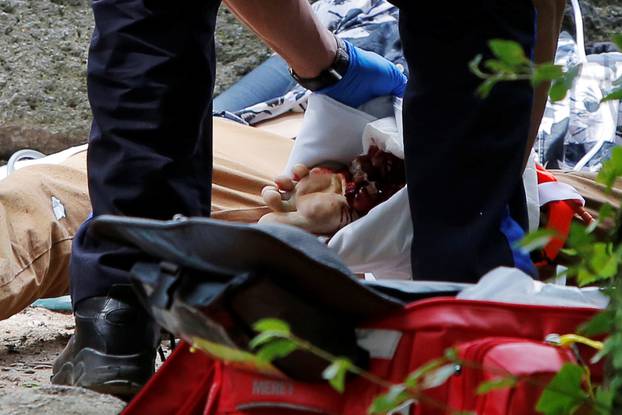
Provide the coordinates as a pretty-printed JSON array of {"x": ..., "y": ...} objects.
[
  {"x": 528, "y": 363},
  {"x": 499, "y": 337}
]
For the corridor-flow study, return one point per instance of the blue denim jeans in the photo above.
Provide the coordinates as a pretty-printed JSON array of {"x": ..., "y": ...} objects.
[{"x": 269, "y": 80}]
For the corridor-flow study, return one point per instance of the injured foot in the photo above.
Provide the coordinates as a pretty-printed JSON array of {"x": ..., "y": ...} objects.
[
  {"x": 323, "y": 200},
  {"x": 313, "y": 200}
]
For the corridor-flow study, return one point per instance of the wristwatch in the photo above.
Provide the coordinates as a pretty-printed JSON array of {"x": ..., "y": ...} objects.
[{"x": 329, "y": 76}]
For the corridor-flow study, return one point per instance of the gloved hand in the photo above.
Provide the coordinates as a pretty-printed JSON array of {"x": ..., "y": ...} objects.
[{"x": 369, "y": 75}]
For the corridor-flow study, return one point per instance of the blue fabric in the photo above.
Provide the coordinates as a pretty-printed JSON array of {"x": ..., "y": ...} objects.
[
  {"x": 514, "y": 233},
  {"x": 54, "y": 304},
  {"x": 379, "y": 76},
  {"x": 269, "y": 80}
]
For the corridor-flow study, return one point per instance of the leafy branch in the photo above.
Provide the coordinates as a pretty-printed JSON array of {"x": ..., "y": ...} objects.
[
  {"x": 510, "y": 63},
  {"x": 275, "y": 340}
]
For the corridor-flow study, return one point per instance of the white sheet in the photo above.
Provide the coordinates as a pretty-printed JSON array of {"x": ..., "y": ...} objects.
[
  {"x": 511, "y": 285},
  {"x": 380, "y": 242},
  {"x": 55, "y": 158}
]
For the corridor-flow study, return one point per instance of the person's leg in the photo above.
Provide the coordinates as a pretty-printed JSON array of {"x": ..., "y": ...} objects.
[
  {"x": 463, "y": 154},
  {"x": 41, "y": 208},
  {"x": 269, "y": 80},
  {"x": 35, "y": 239},
  {"x": 150, "y": 82}
]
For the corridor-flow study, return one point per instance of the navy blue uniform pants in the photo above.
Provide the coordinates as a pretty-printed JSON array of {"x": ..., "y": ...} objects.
[
  {"x": 150, "y": 82},
  {"x": 464, "y": 155},
  {"x": 151, "y": 73}
]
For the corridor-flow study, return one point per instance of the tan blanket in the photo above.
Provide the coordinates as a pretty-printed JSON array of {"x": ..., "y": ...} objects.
[
  {"x": 35, "y": 242},
  {"x": 35, "y": 237}
]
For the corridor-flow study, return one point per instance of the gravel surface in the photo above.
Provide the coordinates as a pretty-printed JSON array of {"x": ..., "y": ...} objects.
[
  {"x": 29, "y": 343},
  {"x": 43, "y": 49},
  {"x": 58, "y": 400}
]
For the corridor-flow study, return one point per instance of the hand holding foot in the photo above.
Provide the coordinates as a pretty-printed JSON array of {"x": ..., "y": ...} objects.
[{"x": 313, "y": 200}]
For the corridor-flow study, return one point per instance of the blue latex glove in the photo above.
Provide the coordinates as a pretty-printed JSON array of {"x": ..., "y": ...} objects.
[{"x": 369, "y": 75}]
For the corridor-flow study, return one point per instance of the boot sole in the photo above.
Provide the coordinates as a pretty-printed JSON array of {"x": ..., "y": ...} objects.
[{"x": 117, "y": 375}]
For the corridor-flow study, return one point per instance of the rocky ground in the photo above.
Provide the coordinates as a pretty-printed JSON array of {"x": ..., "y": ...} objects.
[
  {"x": 601, "y": 18},
  {"x": 58, "y": 400},
  {"x": 43, "y": 48},
  {"x": 29, "y": 343}
]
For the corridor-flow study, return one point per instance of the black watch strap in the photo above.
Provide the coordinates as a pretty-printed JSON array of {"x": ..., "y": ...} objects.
[{"x": 330, "y": 75}]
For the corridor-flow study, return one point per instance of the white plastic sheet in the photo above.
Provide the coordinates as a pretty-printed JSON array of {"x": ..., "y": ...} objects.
[
  {"x": 380, "y": 242},
  {"x": 511, "y": 285}
]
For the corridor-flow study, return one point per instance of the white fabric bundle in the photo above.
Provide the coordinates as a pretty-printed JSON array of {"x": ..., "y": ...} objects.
[
  {"x": 330, "y": 132},
  {"x": 380, "y": 242}
]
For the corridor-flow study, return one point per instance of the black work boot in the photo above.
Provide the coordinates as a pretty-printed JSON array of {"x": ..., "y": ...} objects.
[{"x": 114, "y": 345}]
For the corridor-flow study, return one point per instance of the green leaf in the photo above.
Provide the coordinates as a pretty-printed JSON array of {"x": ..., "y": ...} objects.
[
  {"x": 486, "y": 87},
  {"x": 495, "y": 65},
  {"x": 474, "y": 66},
  {"x": 586, "y": 276},
  {"x": 617, "y": 39},
  {"x": 612, "y": 348},
  {"x": 578, "y": 238},
  {"x": 606, "y": 211},
  {"x": 272, "y": 324},
  {"x": 229, "y": 354},
  {"x": 604, "y": 399},
  {"x": 612, "y": 169},
  {"x": 264, "y": 338},
  {"x": 560, "y": 87},
  {"x": 571, "y": 74},
  {"x": 439, "y": 376},
  {"x": 335, "y": 374},
  {"x": 601, "y": 323},
  {"x": 390, "y": 401},
  {"x": 615, "y": 95},
  {"x": 614, "y": 351},
  {"x": 547, "y": 72},
  {"x": 509, "y": 52},
  {"x": 276, "y": 349},
  {"x": 563, "y": 395},
  {"x": 498, "y": 383},
  {"x": 451, "y": 354},
  {"x": 269, "y": 329},
  {"x": 601, "y": 353},
  {"x": 603, "y": 262},
  {"x": 569, "y": 251},
  {"x": 413, "y": 379},
  {"x": 536, "y": 240},
  {"x": 558, "y": 90}
]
